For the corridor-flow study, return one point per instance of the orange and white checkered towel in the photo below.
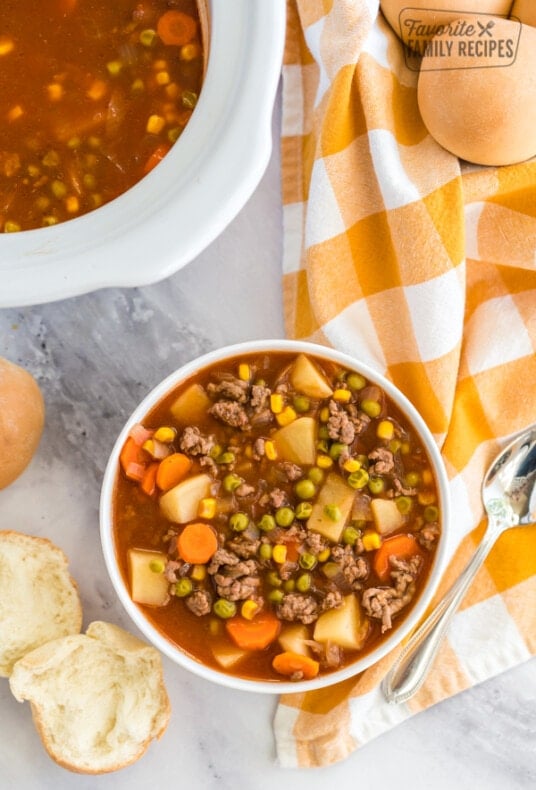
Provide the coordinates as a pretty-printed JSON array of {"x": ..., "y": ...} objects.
[{"x": 424, "y": 268}]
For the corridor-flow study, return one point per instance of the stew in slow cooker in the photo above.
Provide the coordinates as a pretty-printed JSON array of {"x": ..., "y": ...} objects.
[
  {"x": 275, "y": 516},
  {"x": 93, "y": 94}
]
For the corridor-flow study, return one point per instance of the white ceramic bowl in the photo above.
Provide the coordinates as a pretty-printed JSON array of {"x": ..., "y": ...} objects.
[
  {"x": 107, "y": 539},
  {"x": 170, "y": 216}
]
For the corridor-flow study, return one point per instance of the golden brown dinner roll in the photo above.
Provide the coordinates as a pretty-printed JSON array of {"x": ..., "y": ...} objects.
[
  {"x": 98, "y": 699},
  {"x": 439, "y": 12},
  {"x": 39, "y": 600},
  {"x": 22, "y": 416},
  {"x": 525, "y": 11},
  {"x": 482, "y": 106}
]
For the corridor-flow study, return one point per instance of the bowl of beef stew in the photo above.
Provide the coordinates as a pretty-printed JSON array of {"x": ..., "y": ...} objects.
[
  {"x": 134, "y": 134},
  {"x": 274, "y": 516}
]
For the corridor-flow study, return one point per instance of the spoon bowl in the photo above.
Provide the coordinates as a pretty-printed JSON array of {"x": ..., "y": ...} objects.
[{"x": 509, "y": 498}]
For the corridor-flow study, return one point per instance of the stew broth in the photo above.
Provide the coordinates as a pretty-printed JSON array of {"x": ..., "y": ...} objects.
[
  {"x": 93, "y": 94},
  {"x": 321, "y": 498}
]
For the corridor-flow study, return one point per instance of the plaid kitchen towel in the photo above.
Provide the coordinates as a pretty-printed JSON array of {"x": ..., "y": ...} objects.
[{"x": 425, "y": 268}]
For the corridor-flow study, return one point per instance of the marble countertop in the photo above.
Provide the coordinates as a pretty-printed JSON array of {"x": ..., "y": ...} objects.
[{"x": 95, "y": 356}]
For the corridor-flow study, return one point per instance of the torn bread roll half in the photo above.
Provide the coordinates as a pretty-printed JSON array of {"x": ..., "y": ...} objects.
[
  {"x": 39, "y": 599},
  {"x": 98, "y": 699}
]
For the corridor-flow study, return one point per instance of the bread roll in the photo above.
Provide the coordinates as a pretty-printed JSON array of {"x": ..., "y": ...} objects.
[
  {"x": 483, "y": 109},
  {"x": 22, "y": 415},
  {"x": 39, "y": 600},
  {"x": 98, "y": 699},
  {"x": 525, "y": 11}
]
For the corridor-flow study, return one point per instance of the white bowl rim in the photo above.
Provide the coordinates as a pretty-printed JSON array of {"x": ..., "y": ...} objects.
[
  {"x": 153, "y": 229},
  {"x": 176, "y": 654}
]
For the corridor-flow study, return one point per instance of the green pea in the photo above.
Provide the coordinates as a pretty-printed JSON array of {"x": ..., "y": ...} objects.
[
  {"x": 322, "y": 445},
  {"x": 301, "y": 403},
  {"x": 239, "y": 522},
  {"x": 267, "y": 523},
  {"x": 351, "y": 535},
  {"x": 337, "y": 449},
  {"x": 276, "y": 596},
  {"x": 412, "y": 479},
  {"x": 431, "y": 513},
  {"x": 333, "y": 512},
  {"x": 371, "y": 407},
  {"x": 404, "y": 504},
  {"x": 303, "y": 582},
  {"x": 331, "y": 570},
  {"x": 284, "y": 516},
  {"x": 265, "y": 551},
  {"x": 355, "y": 381},
  {"x": 316, "y": 475},
  {"x": 307, "y": 561},
  {"x": 147, "y": 37},
  {"x": 358, "y": 479},
  {"x": 274, "y": 579},
  {"x": 289, "y": 585},
  {"x": 189, "y": 99},
  {"x": 305, "y": 489},
  {"x": 157, "y": 566},
  {"x": 376, "y": 485},
  {"x": 231, "y": 482},
  {"x": 225, "y": 458},
  {"x": 323, "y": 432},
  {"x": 303, "y": 510},
  {"x": 183, "y": 587},
  {"x": 224, "y": 608}
]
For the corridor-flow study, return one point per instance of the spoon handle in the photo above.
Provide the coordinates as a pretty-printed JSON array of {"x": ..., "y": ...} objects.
[{"x": 410, "y": 669}]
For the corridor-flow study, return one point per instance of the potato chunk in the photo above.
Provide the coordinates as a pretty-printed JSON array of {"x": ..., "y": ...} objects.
[
  {"x": 387, "y": 517},
  {"x": 228, "y": 656},
  {"x": 347, "y": 626},
  {"x": 334, "y": 492},
  {"x": 181, "y": 503},
  {"x": 148, "y": 585},
  {"x": 292, "y": 639},
  {"x": 296, "y": 441},
  {"x": 192, "y": 405},
  {"x": 307, "y": 378}
]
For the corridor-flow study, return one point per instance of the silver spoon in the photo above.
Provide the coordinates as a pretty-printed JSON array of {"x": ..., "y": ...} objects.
[{"x": 509, "y": 496}]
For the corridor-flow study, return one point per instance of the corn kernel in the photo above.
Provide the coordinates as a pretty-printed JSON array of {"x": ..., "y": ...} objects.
[
  {"x": 427, "y": 477},
  {"x": 49, "y": 220},
  {"x": 287, "y": 416},
  {"x": 248, "y": 451},
  {"x": 324, "y": 555},
  {"x": 342, "y": 395},
  {"x": 244, "y": 371},
  {"x": 276, "y": 402},
  {"x": 72, "y": 204},
  {"x": 165, "y": 434},
  {"x": 55, "y": 91},
  {"x": 172, "y": 90},
  {"x": 97, "y": 90},
  {"x": 15, "y": 112},
  {"x": 279, "y": 553},
  {"x": 160, "y": 64},
  {"x": 74, "y": 142},
  {"x": 405, "y": 448},
  {"x": 11, "y": 227},
  {"x": 351, "y": 465},
  {"x": 324, "y": 461},
  {"x": 137, "y": 86},
  {"x": 199, "y": 572},
  {"x": 190, "y": 51},
  {"x": 7, "y": 45},
  {"x": 155, "y": 124},
  {"x": 269, "y": 450},
  {"x": 163, "y": 78},
  {"x": 147, "y": 37},
  {"x": 371, "y": 541},
  {"x": 385, "y": 430},
  {"x": 426, "y": 497},
  {"x": 33, "y": 171},
  {"x": 207, "y": 507},
  {"x": 59, "y": 190},
  {"x": 249, "y": 609},
  {"x": 114, "y": 67},
  {"x": 324, "y": 414}
]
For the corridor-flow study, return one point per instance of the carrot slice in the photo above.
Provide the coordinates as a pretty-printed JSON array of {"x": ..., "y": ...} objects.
[
  {"x": 289, "y": 663},
  {"x": 254, "y": 634},
  {"x": 130, "y": 457},
  {"x": 197, "y": 543},
  {"x": 156, "y": 157},
  {"x": 148, "y": 481},
  {"x": 403, "y": 546},
  {"x": 176, "y": 28},
  {"x": 171, "y": 470}
]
